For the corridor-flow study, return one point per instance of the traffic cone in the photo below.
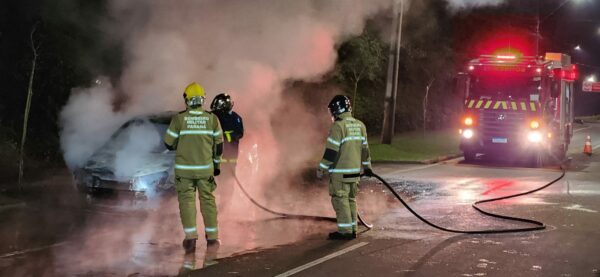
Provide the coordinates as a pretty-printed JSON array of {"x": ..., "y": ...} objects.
[{"x": 587, "y": 148}]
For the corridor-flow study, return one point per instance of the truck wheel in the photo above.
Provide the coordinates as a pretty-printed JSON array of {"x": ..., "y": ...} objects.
[{"x": 469, "y": 156}]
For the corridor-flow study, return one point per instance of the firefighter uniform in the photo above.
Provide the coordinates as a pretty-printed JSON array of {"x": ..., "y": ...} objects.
[
  {"x": 346, "y": 151},
  {"x": 197, "y": 136},
  {"x": 233, "y": 131}
]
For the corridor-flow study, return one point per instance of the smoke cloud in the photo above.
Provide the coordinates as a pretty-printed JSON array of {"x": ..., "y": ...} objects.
[{"x": 249, "y": 49}]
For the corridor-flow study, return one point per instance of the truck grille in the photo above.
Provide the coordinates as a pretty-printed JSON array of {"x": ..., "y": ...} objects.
[{"x": 500, "y": 124}]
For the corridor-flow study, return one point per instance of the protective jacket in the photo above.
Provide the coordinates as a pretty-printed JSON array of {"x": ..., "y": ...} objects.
[
  {"x": 197, "y": 136},
  {"x": 347, "y": 149},
  {"x": 233, "y": 131}
]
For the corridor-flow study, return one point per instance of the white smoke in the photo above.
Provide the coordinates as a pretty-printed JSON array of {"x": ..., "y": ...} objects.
[
  {"x": 87, "y": 122},
  {"x": 246, "y": 48},
  {"x": 463, "y": 4}
]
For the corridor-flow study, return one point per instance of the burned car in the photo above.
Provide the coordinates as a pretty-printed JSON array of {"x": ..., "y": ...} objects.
[{"x": 133, "y": 161}]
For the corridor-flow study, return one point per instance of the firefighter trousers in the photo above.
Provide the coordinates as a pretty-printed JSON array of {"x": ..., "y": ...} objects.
[
  {"x": 186, "y": 194},
  {"x": 343, "y": 199}
]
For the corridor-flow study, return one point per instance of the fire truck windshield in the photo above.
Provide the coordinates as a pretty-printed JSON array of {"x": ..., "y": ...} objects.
[{"x": 504, "y": 86}]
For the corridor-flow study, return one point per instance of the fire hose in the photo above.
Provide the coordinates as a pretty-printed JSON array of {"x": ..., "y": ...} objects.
[
  {"x": 537, "y": 225},
  {"x": 291, "y": 216}
]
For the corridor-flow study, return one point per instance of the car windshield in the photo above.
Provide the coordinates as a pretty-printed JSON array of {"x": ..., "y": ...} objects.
[
  {"x": 141, "y": 135},
  {"x": 504, "y": 87}
]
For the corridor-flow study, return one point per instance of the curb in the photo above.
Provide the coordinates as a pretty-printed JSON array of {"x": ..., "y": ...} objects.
[
  {"x": 431, "y": 161},
  {"x": 10, "y": 203}
]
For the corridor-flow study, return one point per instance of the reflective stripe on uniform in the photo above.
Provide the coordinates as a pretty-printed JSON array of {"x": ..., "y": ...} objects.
[
  {"x": 323, "y": 166},
  {"x": 189, "y": 230},
  {"x": 173, "y": 134},
  {"x": 352, "y": 138},
  {"x": 345, "y": 225},
  {"x": 192, "y": 167},
  {"x": 351, "y": 170},
  {"x": 334, "y": 142},
  {"x": 217, "y": 161},
  {"x": 196, "y": 112},
  {"x": 197, "y": 132},
  {"x": 210, "y": 230},
  {"x": 366, "y": 163}
]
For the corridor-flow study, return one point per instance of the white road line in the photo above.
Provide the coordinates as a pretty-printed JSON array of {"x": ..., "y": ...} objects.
[
  {"x": 7, "y": 255},
  {"x": 581, "y": 129},
  {"x": 596, "y": 147},
  {"x": 322, "y": 260}
]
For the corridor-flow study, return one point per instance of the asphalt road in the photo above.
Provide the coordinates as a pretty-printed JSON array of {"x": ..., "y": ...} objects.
[
  {"x": 400, "y": 245},
  {"x": 57, "y": 234}
]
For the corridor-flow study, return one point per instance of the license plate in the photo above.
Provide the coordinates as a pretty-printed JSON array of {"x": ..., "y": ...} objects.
[{"x": 499, "y": 140}]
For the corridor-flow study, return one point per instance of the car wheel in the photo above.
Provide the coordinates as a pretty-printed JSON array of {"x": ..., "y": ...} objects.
[{"x": 470, "y": 156}]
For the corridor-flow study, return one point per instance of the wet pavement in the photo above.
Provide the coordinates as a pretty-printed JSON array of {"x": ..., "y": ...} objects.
[
  {"x": 400, "y": 245},
  {"x": 58, "y": 234}
]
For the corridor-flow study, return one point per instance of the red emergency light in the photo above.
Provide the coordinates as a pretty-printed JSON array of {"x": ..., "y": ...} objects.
[
  {"x": 569, "y": 74},
  {"x": 506, "y": 57}
]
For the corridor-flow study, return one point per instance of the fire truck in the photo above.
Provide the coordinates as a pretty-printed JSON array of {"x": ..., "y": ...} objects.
[{"x": 517, "y": 107}]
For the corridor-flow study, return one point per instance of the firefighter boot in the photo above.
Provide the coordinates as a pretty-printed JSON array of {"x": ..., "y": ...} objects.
[
  {"x": 189, "y": 245},
  {"x": 341, "y": 236}
]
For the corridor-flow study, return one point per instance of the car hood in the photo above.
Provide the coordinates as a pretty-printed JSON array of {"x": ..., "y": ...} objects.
[{"x": 103, "y": 165}]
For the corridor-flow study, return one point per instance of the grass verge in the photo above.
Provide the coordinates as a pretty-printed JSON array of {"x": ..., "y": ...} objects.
[{"x": 414, "y": 147}]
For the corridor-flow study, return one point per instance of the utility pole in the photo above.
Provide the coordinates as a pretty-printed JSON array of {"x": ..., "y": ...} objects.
[{"x": 391, "y": 90}]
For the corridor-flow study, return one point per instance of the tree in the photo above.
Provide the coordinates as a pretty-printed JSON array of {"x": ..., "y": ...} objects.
[
  {"x": 425, "y": 102},
  {"x": 361, "y": 59},
  {"x": 34, "y": 49}
]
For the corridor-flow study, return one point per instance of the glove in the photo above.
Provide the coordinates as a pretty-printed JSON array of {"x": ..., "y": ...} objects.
[
  {"x": 217, "y": 172},
  {"x": 320, "y": 173},
  {"x": 368, "y": 172}
]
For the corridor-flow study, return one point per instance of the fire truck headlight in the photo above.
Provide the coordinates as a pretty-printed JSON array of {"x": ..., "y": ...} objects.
[
  {"x": 534, "y": 124},
  {"x": 468, "y": 121},
  {"x": 468, "y": 133},
  {"x": 534, "y": 136}
]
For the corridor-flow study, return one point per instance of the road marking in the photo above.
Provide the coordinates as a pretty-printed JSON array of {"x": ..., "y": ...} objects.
[
  {"x": 20, "y": 252},
  {"x": 579, "y": 208},
  {"x": 322, "y": 260},
  {"x": 596, "y": 147},
  {"x": 581, "y": 129}
]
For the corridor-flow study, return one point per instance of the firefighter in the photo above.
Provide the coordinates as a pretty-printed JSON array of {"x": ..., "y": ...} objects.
[
  {"x": 197, "y": 137},
  {"x": 233, "y": 131},
  {"x": 346, "y": 151},
  {"x": 231, "y": 122}
]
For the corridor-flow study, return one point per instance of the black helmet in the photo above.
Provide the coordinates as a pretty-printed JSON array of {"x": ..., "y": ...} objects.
[
  {"x": 339, "y": 105},
  {"x": 222, "y": 102}
]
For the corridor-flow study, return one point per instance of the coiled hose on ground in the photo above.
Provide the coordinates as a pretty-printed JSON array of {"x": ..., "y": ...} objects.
[{"x": 537, "y": 224}]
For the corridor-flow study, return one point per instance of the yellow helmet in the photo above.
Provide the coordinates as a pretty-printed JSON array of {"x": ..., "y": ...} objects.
[{"x": 194, "y": 95}]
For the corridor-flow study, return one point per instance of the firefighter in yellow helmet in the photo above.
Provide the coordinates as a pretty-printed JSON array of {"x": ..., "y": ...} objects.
[
  {"x": 197, "y": 137},
  {"x": 346, "y": 151}
]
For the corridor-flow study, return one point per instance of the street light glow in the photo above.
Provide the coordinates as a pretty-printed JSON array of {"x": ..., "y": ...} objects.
[
  {"x": 591, "y": 78},
  {"x": 578, "y": 48}
]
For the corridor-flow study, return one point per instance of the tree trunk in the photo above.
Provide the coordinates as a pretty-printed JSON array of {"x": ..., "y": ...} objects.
[
  {"x": 354, "y": 97},
  {"x": 425, "y": 102},
  {"x": 27, "y": 108}
]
